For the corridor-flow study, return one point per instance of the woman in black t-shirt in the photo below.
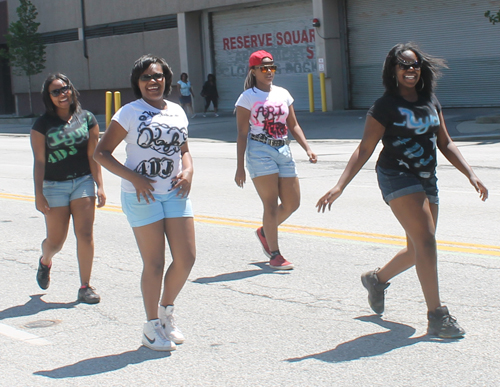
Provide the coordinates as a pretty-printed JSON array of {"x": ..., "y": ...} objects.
[
  {"x": 209, "y": 92},
  {"x": 409, "y": 120},
  {"x": 63, "y": 142}
]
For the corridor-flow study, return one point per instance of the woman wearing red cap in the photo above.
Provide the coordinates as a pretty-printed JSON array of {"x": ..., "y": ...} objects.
[{"x": 264, "y": 114}]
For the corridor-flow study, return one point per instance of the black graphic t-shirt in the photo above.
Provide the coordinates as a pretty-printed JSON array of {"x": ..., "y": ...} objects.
[
  {"x": 410, "y": 133},
  {"x": 66, "y": 145}
]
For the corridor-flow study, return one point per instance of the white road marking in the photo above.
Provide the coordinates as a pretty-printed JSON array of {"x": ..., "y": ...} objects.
[{"x": 23, "y": 336}]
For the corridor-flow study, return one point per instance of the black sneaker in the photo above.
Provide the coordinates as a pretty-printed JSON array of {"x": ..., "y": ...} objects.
[
  {"x": 441, "y": 324},
  {"x": 43, "y": 275},
  {"x": 376, "y": 290},
  {"x": 88, "y": 296}
]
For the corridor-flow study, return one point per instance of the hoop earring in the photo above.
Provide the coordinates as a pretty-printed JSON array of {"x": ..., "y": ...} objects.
[{"x": 422, "y": 87}]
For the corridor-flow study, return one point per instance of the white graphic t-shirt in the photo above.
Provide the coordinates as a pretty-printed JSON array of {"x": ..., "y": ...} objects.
[
  {"x": 268, "y": 110},
  {"x": 154, "y": 142}
]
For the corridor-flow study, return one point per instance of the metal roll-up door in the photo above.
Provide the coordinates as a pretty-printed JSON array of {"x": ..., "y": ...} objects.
[
  {"x": 284, "y": 30},
  {"x": 454, "y": 30}
]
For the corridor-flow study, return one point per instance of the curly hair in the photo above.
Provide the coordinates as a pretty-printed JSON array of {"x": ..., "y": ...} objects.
[
  {"x": 429, "y": 74},
  {"x": 50, "y": 108},
  {"x": 142, "y": 64}
]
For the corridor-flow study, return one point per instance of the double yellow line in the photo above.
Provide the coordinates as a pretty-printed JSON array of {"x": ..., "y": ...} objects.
[{"x": 456, "y": 247}]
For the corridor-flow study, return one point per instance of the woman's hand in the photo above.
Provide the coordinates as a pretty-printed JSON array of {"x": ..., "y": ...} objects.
[
  {"x": 313, "y": 158},
  {"x": 240, "y": 177},
  {"x": 328, "y": 199},
  {"x": 480, "y": 188},
  {"x": 183, "y": 182},
  {"x": 143, "y": 187},
  {"x": 101, "y": 197},
  {"x": 42, "y": 204}
]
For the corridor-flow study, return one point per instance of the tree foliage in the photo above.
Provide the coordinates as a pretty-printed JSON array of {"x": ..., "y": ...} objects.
[
  {"x": 493, "y": 17},
  {"x": 26, "y": 52}
]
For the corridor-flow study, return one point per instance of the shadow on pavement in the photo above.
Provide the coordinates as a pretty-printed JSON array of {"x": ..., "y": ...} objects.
[
  {"x": 239, "y": 275},
  {"x": 34, "y": 306},
  {"x": 375, "y": 344},
  {"x": 99, "y": 365}
]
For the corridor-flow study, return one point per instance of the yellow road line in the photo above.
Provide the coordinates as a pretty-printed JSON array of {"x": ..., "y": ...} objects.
[{"x": 459, "y": 247}]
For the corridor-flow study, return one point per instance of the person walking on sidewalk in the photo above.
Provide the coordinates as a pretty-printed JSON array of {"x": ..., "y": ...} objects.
[
  {"x": 209, "y": 92},
  {"x": 186, "y": 92},
  {"x": 264, "y": 115},
  {"x": 156, "y": 181},
  {"x": 63, "y": 140},
  {"x": 409, "y": 120}
]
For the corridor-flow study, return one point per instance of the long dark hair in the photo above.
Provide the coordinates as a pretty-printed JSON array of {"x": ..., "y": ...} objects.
[
  {"x": 50, "y": 108},
  {"x": 429, "y": 73},
  {"x": 142, "y": 64}
]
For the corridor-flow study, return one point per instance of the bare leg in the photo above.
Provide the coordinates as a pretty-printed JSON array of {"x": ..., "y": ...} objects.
[
  {"x": 270, "y": 188},
  {"x": 151, "y": 242},
  {"x": 57, "y": 224},
  {"x": 180, "y": 236},
  {"x": 418, "y": 217},
  {"x": 83, "y": 211}
]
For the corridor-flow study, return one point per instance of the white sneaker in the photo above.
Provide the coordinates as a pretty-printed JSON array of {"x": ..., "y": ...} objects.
[
  {"x": 166, "y": 315},
  {"x": 153, "y": 336},
  {"x": 204, "y": 115},
  {"x": 216, "y": 115},
  {"x": 193, "y": 116}
]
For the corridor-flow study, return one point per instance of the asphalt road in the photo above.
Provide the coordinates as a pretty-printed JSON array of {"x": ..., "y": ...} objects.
[{"x": 246, "y": 325}]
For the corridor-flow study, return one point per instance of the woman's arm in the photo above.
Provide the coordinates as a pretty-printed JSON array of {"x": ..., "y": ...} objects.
[
  {"x": 38, "y": 147},
  {"x": 243, "y": 125},
  {"x": 374, "y": 131},
  {"x": 185, "y": 177},
  {"x": 103, "y": 154},
  {"x": 455, "y": 157},
  {"x": 95, "y": 168},
  {"x": 298, "y": 134}
]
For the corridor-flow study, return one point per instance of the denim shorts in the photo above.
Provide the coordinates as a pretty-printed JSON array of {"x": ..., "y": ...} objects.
[
  {"x": 183, "y": 99},
  {"x": 165, "y": 206},
  {"x": 60, "y": 193},
  {"x": 394, "y": 184},
  {"x": 263, "y": 159}
]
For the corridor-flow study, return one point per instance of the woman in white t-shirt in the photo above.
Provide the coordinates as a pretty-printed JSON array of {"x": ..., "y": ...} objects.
[
  {"x": 156, "y": 180},
  {"x": 264, "y": 115},
  {"x": 186, "y": 92}
]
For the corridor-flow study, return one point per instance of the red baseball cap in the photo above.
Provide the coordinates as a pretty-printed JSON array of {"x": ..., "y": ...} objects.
[{"x": 257, "y": 56}]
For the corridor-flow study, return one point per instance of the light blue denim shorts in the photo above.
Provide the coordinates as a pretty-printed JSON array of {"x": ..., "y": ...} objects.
[
  {"x": 165, "y": 206},
  {"x": 394, "y": 184},
  {"x": 60, "y": 193},
  {"x": 263, "y": 159}
]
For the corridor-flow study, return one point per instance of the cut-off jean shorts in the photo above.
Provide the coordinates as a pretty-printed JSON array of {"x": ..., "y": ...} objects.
[
  {"x": 60, "y": 193},
  {"x": 263, "y": 159},
  {"x": 165, "y": 206},
  {"x": 394, "y": 184}
]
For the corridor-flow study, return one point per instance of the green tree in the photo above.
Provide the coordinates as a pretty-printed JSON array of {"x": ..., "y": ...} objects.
[
  {"x": 493, "y": 17},
  {"x": 26, "y": 52}
]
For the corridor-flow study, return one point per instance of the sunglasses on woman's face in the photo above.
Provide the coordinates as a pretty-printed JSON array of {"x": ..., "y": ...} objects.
[
  {"x": 57, "y": 92},
  {"x": 406, "y": 66},
  {"x": 265, "y": 69},
  {"x": 155, "y": 76}
]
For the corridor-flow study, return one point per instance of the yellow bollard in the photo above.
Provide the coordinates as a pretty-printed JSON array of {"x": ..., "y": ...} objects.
[
  {"x": 118, "y": 101},
  {"x": 108, "y": 107},
  {"x": 323, "y": 91},
  {"x": 311, "y": 92}
]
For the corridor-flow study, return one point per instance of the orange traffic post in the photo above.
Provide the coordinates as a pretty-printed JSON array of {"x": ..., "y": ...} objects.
[
  {"x": 118, "y": 101},
  {"x": 323, "y": 91},
  {"x": 311, "y": 92},
  {"x": 108, "y": 107}
]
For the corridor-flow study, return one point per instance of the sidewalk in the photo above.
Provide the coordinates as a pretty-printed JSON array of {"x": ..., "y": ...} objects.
[{"x": 462, "y": 123}]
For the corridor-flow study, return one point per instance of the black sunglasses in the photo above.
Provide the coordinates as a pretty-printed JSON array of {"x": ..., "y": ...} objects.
[
  {"x": 406, "y": 66},
  {"x": 265, "y": 69},
  {"x": 155, "y": 76},
  {"x": 57, "y": 92}
]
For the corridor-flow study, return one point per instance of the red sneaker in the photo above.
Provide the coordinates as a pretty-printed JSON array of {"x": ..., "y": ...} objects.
[
  {"x": 263, "y": 242},
  {"x": 280, "y": 263}
]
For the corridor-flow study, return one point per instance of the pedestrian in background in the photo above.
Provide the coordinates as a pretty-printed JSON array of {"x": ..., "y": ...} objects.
[
  {"x": 409, "y": 120},
  {"x": 186, "y": 92},
  {"x": 209, "y": 92},
  {"x": 156, "y": 181},
  {"x": 264, "y": 115},
  {"x": 63, "y": 140}
]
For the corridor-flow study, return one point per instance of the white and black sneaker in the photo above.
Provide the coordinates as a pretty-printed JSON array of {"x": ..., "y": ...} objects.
[
  {"x": 154, "y": 337},
  {"x": 166, "y": 315}
]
